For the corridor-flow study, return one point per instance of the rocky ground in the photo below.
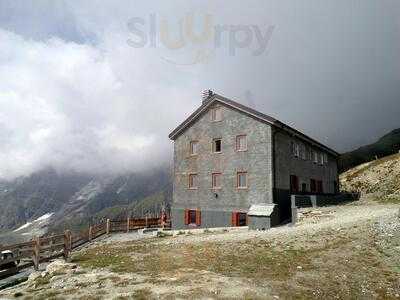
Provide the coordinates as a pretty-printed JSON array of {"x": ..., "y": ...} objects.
[
  {"x": 379, "y": 179},
  {"x": 344, "y": 252}
]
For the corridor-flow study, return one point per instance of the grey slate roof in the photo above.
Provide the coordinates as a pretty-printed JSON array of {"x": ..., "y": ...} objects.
[
  {"x": 249, "y": 111},
  {"x": 261, "y": 210}
]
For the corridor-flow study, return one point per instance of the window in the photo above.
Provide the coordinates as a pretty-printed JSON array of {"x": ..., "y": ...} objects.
[
  {"x": 216, "y": 114},
  {"x": 321, "y": 159},
  {"x": 216, "y": 180},
  {"x": 315, "y": 155},
  {"x": 304, "y": 187},
  {"x": 294, "y": 184},
  {"x": 241, "y": 143},
  {"x": 193, "y": 147},
  {"x": 295, "y": 149},
  {"x": 313, "y": 186},
  {"x": 193, "y": 217},
  {"x": 192, "y": 181},
  {"x": 239, "y": 219},
  {"x": 242, "y": 180},
  {"x": 303, "y": 152},
  {"x": 309, "y": 154},
  {"x": 325, "y": 158},
  {"x": 217, "y": 145}
]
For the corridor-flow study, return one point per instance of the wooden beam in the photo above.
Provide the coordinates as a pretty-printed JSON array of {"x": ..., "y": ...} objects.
[
  {"x": 36, "y": 253},
  {"x": 108, "y": 226}
]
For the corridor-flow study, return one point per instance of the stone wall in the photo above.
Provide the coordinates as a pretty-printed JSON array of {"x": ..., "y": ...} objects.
[{"x": 256, "y": 161}]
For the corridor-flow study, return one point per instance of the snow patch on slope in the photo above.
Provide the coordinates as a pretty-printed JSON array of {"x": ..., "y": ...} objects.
[
  {"x": 38, "y": 223},
  {"x": 44, "y": 217},
  {"x": 23, "y": 226}
]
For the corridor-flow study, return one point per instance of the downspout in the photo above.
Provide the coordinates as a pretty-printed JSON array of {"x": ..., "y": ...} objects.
[{"x": 274, "y": 132}]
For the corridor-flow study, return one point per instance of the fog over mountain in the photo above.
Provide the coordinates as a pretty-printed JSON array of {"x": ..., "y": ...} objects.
[{"x": 77, "y": 95}]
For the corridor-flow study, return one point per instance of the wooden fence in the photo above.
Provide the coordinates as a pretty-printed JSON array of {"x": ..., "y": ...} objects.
[{"x": 43, "y": 249}]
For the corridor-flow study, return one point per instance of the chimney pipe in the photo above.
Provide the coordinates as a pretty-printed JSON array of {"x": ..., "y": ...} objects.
[{"x": 206, "y": 94}]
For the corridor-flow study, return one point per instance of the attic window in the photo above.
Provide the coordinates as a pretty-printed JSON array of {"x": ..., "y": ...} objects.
[
  {"x": 193, "y": 147},
  {"x": 217, "y": 145},
  {"x": 216, "y": 114}
]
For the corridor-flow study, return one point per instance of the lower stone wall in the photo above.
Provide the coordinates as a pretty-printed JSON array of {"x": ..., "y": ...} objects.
[
  {"x": 209, "y": 219},
  {"x": 322, "y": 200},
  {"x": 259, "y": 223}
]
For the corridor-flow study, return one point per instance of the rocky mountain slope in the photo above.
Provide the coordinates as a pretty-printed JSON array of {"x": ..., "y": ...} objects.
[
  {"x": 379, "y": 178},
  {"x": 75, "y": 200},
  {"x": 386, "y": 145}
]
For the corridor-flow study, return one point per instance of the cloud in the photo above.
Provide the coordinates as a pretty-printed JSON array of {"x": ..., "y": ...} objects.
[
  {"x": 75, "y": 96},
  {"x": 77, "y": 107}
]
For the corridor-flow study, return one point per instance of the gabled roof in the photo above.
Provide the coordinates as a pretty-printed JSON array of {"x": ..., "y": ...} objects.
[{"x": 249, "y": 111}]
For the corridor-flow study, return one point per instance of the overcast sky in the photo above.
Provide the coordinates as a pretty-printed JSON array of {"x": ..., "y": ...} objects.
[{"x": 96, "y": 87}]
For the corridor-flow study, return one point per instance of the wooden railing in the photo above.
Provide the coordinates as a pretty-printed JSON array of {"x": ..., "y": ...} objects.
[{"x": 43, "y": 249}]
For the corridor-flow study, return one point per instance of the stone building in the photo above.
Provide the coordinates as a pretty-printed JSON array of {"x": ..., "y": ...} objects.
[{"x": 234, "y": 166}]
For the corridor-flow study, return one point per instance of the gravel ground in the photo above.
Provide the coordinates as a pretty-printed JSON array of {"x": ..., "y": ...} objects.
[
  {"x": 331, "y": 217},
  {"x": 319, "y": 231}
]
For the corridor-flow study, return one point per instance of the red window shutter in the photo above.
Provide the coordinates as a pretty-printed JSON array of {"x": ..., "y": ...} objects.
[
  {"x": 294, "y": 184},
  {"x": 198, "y": 217},
  {"x": 319, "y": 186},
  {"x": 186, "y": 217},
  {"x": 234, "y": 219},
  {"x": 312, "y": 185}
]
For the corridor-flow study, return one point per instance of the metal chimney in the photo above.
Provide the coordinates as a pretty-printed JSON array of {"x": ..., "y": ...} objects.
[{"x": 206, "y": 94}]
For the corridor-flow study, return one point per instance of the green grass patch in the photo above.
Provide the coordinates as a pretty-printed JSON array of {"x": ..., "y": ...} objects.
[{"x": 328, "y": 264}]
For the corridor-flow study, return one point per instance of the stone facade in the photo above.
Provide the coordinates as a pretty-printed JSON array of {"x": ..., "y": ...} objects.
[
  {"x": 217, "y": 205},
  {"x": 268, "y": 162}
]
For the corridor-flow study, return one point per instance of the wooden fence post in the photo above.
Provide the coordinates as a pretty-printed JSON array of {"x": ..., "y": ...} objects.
[
  {"x": 67, "y": 244},
  {"x": 163, "y": 220},
  {"x": 70, "y": 241},
  {"x": 36, "y": 253},
  {"x": 90, "y": 233},
  {"x": 128, "y": 220},
  {"x": 108, "y": 226}
]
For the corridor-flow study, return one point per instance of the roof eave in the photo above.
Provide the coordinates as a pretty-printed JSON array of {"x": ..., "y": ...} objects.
[
  {"x": 174, "y": 134},
  {"x": 215, "y": 97}
]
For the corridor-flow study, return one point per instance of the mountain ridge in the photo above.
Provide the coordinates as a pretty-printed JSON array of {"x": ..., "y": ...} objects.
[
  {"x": 76, "y": 200},
  {"x": 386, "y": 145}
]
